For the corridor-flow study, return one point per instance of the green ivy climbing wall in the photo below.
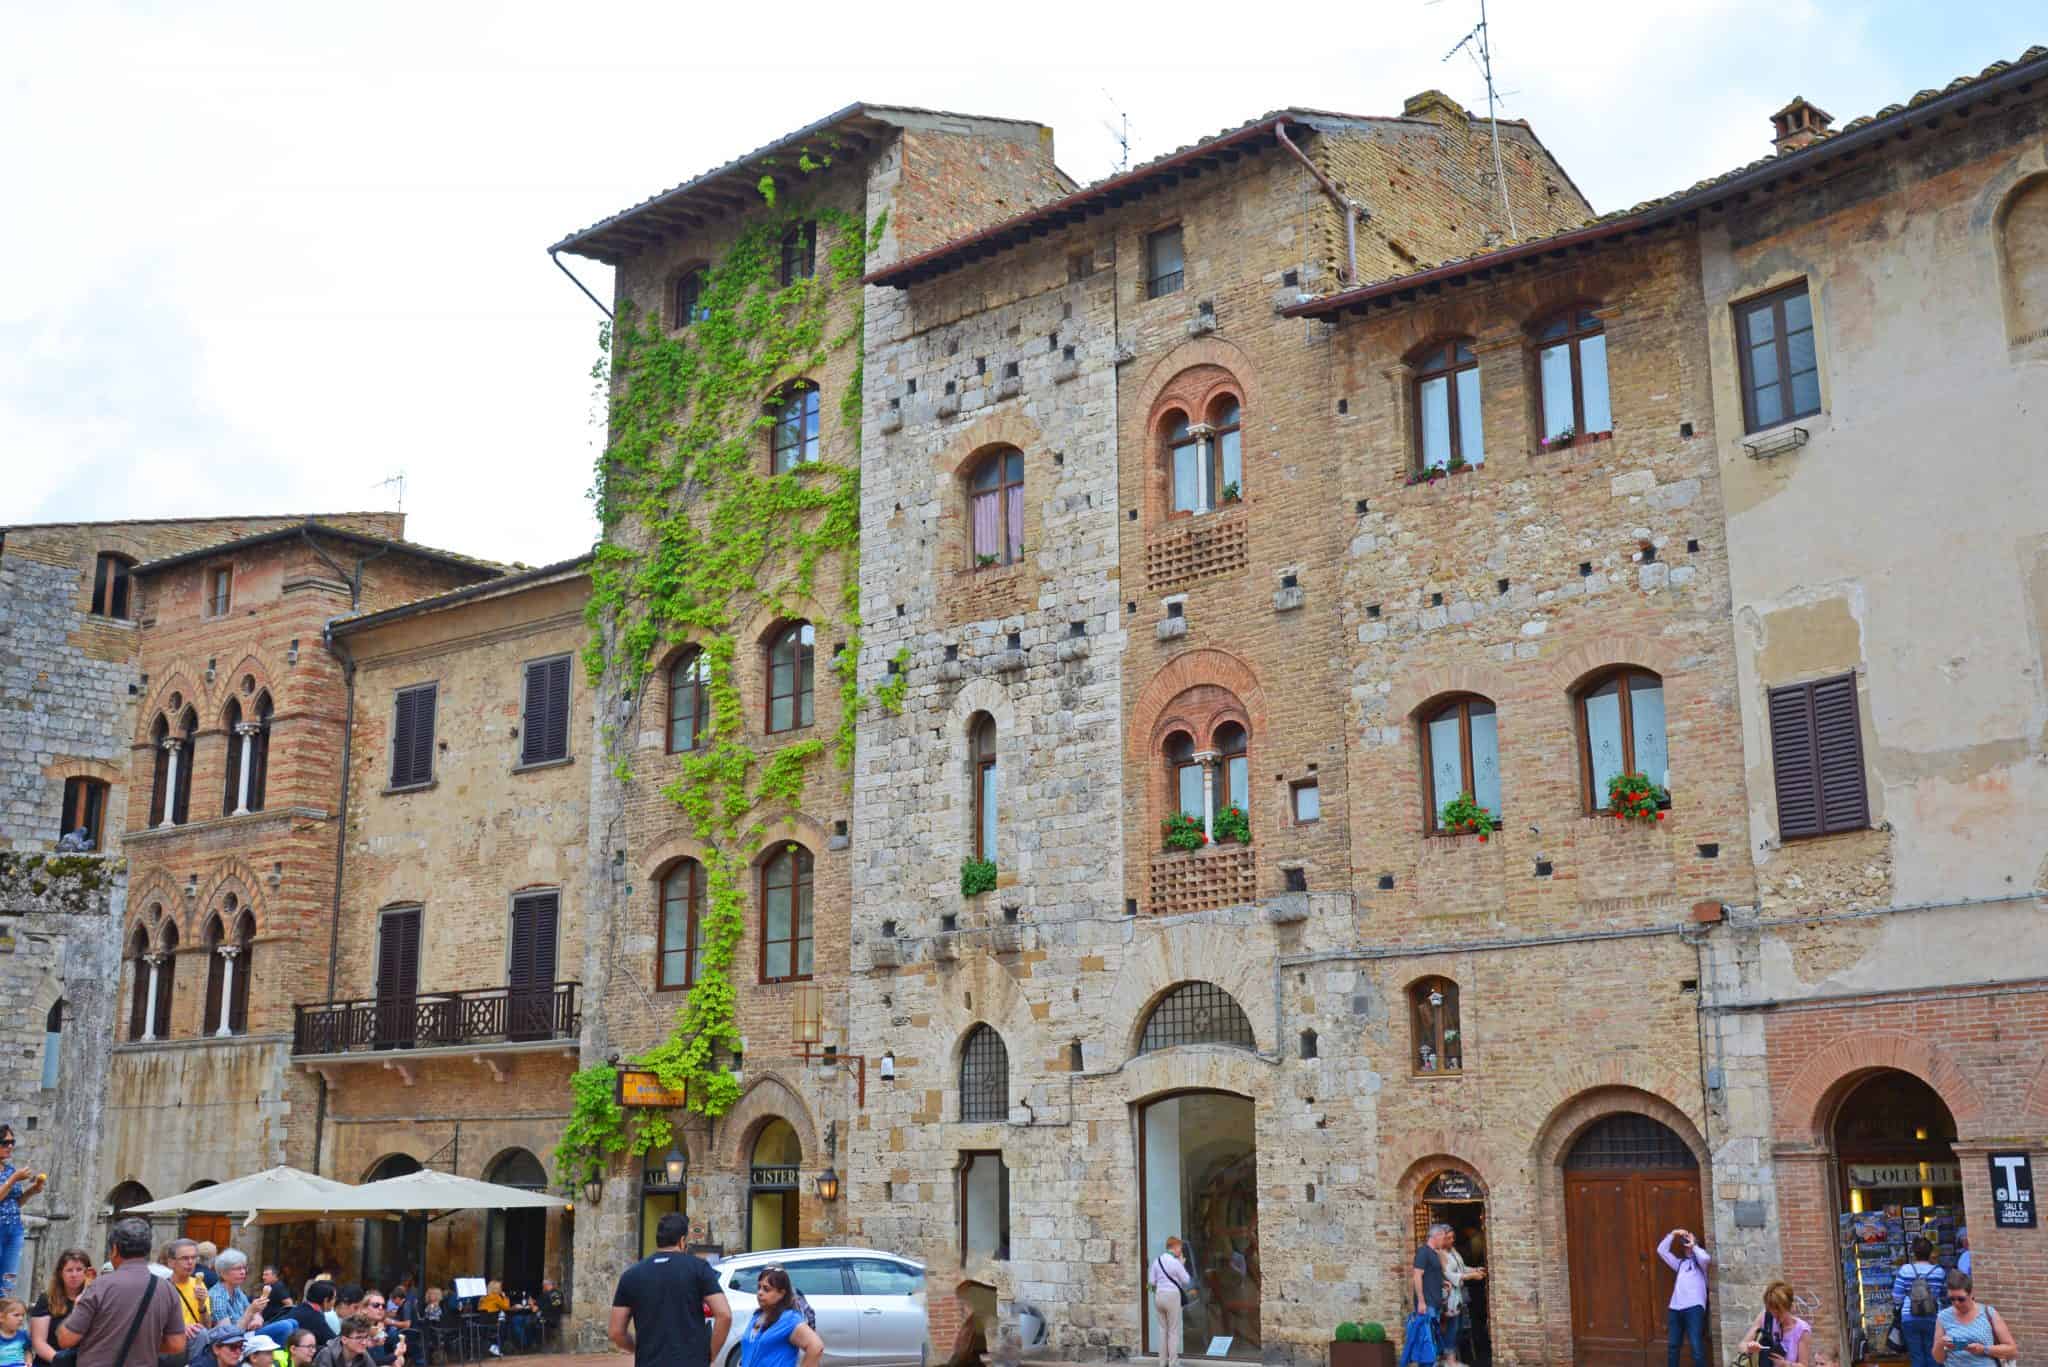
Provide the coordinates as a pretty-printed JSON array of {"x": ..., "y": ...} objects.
[{"x": 697, "y": 536}]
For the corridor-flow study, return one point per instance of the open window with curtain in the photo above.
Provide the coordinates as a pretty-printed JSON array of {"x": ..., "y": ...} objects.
[
  {"x": 1461, "y": 755},
  {"x": 982, "y": 756},
  {"x": 996, "y": 508},
  {"x": 1621, "y": 731}
]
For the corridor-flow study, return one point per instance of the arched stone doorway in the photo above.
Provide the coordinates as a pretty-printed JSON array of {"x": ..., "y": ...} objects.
[
  {"x": 1892, "y": 1139},
  {"x": 773, "y": 1177},
  {"x": 392, "y": 1248},
  {"x": 1198, "y": 1178},
  {"x": 1452, "y": 1195},
  {"x": 1628, "y": 1180},
  {"x": 516, "y": 1241}
]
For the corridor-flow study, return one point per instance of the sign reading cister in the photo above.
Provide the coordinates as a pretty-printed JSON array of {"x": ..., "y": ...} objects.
[{"x": 641, "y": 1087}]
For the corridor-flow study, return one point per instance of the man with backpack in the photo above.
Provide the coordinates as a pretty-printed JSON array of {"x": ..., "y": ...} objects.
[{"x": 1920, "y": 1290}]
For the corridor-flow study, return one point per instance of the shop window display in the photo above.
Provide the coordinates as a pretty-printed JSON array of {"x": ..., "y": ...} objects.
[
  {"x": 1198, "y": 1168},
  {"x": 1894, "y": 1147}
]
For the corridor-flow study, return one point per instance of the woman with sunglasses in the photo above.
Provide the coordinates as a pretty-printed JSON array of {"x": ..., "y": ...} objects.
[
  {"x": 16, "y": 1186},
  {"x": 776, "y": 1332},
  {"x": 1969, "y": 1333}
]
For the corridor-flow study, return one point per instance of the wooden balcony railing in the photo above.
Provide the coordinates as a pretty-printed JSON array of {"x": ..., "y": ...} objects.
[{"x": 427, "y": 1020}]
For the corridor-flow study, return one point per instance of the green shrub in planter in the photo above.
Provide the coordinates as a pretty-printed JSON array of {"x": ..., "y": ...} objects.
[
  {"x": 1348, "y": 1332},
  {"x": 1372, "y": 1331},
  {"x": 977, "y": 876}
]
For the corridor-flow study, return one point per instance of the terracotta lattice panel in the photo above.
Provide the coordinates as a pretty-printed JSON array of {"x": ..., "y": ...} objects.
[
  {"x": 1195, "y": 549},
  {"x": 1200, "y": 880}
]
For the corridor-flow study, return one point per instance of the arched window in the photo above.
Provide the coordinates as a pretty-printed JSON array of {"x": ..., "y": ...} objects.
[
  {"x": 1621, "y": 731},
  {"x": 689, "y": 707},
  {"x": 681, "y": 949},
  {"x": 255, "y": 748},
  {"x": 228, "y": 937},
  {"x": 793, "y": 437},
  {"x": 231, "y": 786},
  {"x": 792, "y": 653},
  {"x": 982, "y": 747},
  {"x": 216, "y": 976},
  {"x": 1196, "y": 1013},
  {"x": 799, "y": 252},
  {"x": 1448, "y": 430},
  {"x": 996, "y": 507},
  {"x": 171, "y": 789},
  {"x": 85, "y": 814},
  {"x": 1206, "y": 460},
  {"x": 110, "y": 586},
  {"x": 2023, "y": 257},
  {"x": 1461, "y": 755},
  {"x": 786, "y": 915},
  {"x": 1185, "y": 774},
  {"x": 984, "y": 1076},
  {"x": 688, "y": 305},
  {"x": 139, "y": 986},
  {"x": 165, "y": 981},
  {"x": 245, "y": 973},
  {"x": 53, "y": 1044},
  {"x": 1233, "y": 772},
  {"x": 1571, "y": 368},
  {"x": 1433, "y": 1007}
]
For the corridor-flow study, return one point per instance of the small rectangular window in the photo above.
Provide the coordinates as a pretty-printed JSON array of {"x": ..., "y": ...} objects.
[
  {"x": 1780, "y": 364},
  {"x": 1308, "y": 802},
  {"x": 984, "y": 1206},
  {"x": 544, "y": 732},
  {"x": 85, "y": 810},
  {"x": 799, "y": 252},
  {"x": 1817, "y": 758},
  {"x": 218, "y": 582},
  {"x": 110, "y": 587},
  {"x": 412, "y": 737},
  {"x": 1165, "y": 265}
]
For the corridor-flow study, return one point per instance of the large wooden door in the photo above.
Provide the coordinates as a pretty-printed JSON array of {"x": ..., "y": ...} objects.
[{"x": 1615, "y": 1215}]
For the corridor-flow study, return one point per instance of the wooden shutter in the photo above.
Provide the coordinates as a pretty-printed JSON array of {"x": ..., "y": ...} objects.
[
  {"x": 412, "y": 738},
  {"x": 156, "y": 787},
  {"x": 1844, "y": 800},
  {"x": 245, "y": 969},
  {"x": 398, "y": 954},
  {"x": 545, "y": 734},
  {"x": 138, "y": 1005},
  {"x": 1817, "y": 758},
  {"x": 215, "y": 965},
  {"x": 534, "y": 918}
]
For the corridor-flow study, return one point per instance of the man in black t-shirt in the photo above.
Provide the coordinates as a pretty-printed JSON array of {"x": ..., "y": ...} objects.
[
  {"x": 664, "y": 1298},
  {"x": 312, "y": 1312},
  {"x": 1427, "y": 1281}
]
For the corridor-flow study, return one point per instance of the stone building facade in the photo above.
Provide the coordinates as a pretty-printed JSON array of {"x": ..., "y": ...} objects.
[
  {"x": 915, "y": 179},
  {"x": 1884, "y": 1006},
  {"x": 234, "y": 782},
  {"x": 450, "y": 1029}
]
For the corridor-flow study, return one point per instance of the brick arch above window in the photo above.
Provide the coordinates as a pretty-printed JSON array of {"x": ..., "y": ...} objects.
[
  {"x": 1190, "y": 670},
  {"x": 1180, "y": 373},
  {"x": 1414, "y": 693},
  {"x": 1578, "y": 667},
  {"x": 159, "y": 705}
]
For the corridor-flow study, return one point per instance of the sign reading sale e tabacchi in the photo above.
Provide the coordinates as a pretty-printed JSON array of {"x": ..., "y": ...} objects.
[{"x": 2012, "y": 1191}]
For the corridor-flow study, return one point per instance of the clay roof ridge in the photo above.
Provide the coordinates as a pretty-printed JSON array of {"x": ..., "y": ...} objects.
[
  {"x": 170, "y": 521},
  {"x": 450, "y": 597},
  {"x": 1790, "y": 161},
  {"x": 490, "y": 567}
]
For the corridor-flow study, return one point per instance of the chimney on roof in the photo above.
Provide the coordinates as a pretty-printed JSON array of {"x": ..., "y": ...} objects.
[
  {"x": 1799, "y": 124},
  {"x": 1433, "y": 106}
]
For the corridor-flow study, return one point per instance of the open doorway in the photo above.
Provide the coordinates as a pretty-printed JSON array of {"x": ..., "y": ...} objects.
[
  {"x": 1455, "y": 1198},
  {"x": 1198, "y": 1175}
]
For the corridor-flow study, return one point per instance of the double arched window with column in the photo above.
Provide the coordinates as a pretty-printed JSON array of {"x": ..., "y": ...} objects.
[
  {"x": 248, "y": 755},
  {"x": 1211, "y": 784},
  {"x": 170, "y": 800},
  {"x": 230, "y": 942},
  {"x": 1205, "y": 459}
]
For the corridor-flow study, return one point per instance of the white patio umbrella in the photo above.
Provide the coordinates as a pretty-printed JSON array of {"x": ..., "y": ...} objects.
[
  {"x": 275, "y": 1196},
  {"x": 430, "y": 1190}
]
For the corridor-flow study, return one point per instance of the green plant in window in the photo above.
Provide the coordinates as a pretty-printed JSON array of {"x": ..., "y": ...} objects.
[
  {"x": 977, "y": 876},
  {"x": 1632, "y": 797},
  {"x": 1231, "y": 493},
  {"x": 1463, "y": 816},
  {"x": 1233, "y": 823},
  {"x": 1183, "y": 832}
]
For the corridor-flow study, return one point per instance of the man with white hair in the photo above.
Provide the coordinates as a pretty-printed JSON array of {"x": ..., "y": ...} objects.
[
  {"x": 1427, "y": 1279},
  {"x": 231, "y": 1304}
]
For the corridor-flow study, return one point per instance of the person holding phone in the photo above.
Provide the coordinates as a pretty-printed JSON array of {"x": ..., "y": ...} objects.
[
  {"x": 16, "y": 1186},
  {"x": 1969, "y": 1333},
  {"x": 1780, "y": 1338}
]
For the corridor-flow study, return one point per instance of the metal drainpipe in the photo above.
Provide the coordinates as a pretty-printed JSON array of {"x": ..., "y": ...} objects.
[{"x": 1350, "y": 208}]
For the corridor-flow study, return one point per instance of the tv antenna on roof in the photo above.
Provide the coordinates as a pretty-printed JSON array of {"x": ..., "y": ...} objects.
[
  {"x": 1482, "y": 48},
  {"x": 397, "y": 483},
  {"x": 1120, "y": 131}
]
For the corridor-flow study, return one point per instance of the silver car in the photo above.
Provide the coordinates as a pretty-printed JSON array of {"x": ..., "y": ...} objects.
[{"x": 870, "y": 1304}]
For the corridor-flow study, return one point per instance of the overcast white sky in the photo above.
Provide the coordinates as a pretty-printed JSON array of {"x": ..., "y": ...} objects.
[{"x": 259, "y": 257}]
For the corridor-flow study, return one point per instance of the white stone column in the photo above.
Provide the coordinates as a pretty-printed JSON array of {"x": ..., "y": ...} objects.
[
  {"x": 149, "y": 1006},
  {"x": 227, "y": 975},
  {"x": 170, "y": 785},
  {"x": 1209, "y": 772},
  {"x": 247, "y": 731},
  {"x": 1210, "y": 496}
]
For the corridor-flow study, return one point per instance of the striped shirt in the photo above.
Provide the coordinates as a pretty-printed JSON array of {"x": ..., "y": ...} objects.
[{"x": 1937, "y": 1286}]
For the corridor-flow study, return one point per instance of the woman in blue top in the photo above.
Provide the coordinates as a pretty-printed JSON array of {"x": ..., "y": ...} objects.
[
  {"x": 776, "y": 1333},
  {"x": 16, "y": 1186},
  {"x": 1970, "y": 1333}
]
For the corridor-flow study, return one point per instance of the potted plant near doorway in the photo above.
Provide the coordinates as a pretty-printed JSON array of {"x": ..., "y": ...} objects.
[{"x": 1361, "y": 1345}]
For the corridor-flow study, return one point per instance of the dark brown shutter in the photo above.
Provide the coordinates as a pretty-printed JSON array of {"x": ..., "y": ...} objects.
[
  {"x": 412, "y": 738},
  {"x": 423, "y": 736},
  {"x": 534, "y": 918},
  {"x": 245, "y": 969},
  {"x": 138, "y": 1005},
  {"x": 166, "y": 984},
  {"x": 1817, "y": 758},
  {"x": 1844, "y": 800},
  {"x": 402, "y": 725},
  {"x": 259, "y": 763},
  {"x": 181, "y": 800},
  {"x": 1795, "y": 761},
  {"x": 231, "y": 791},
  {"x": 546, "y": 729},
  {"x": 398, "y": 954}
]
